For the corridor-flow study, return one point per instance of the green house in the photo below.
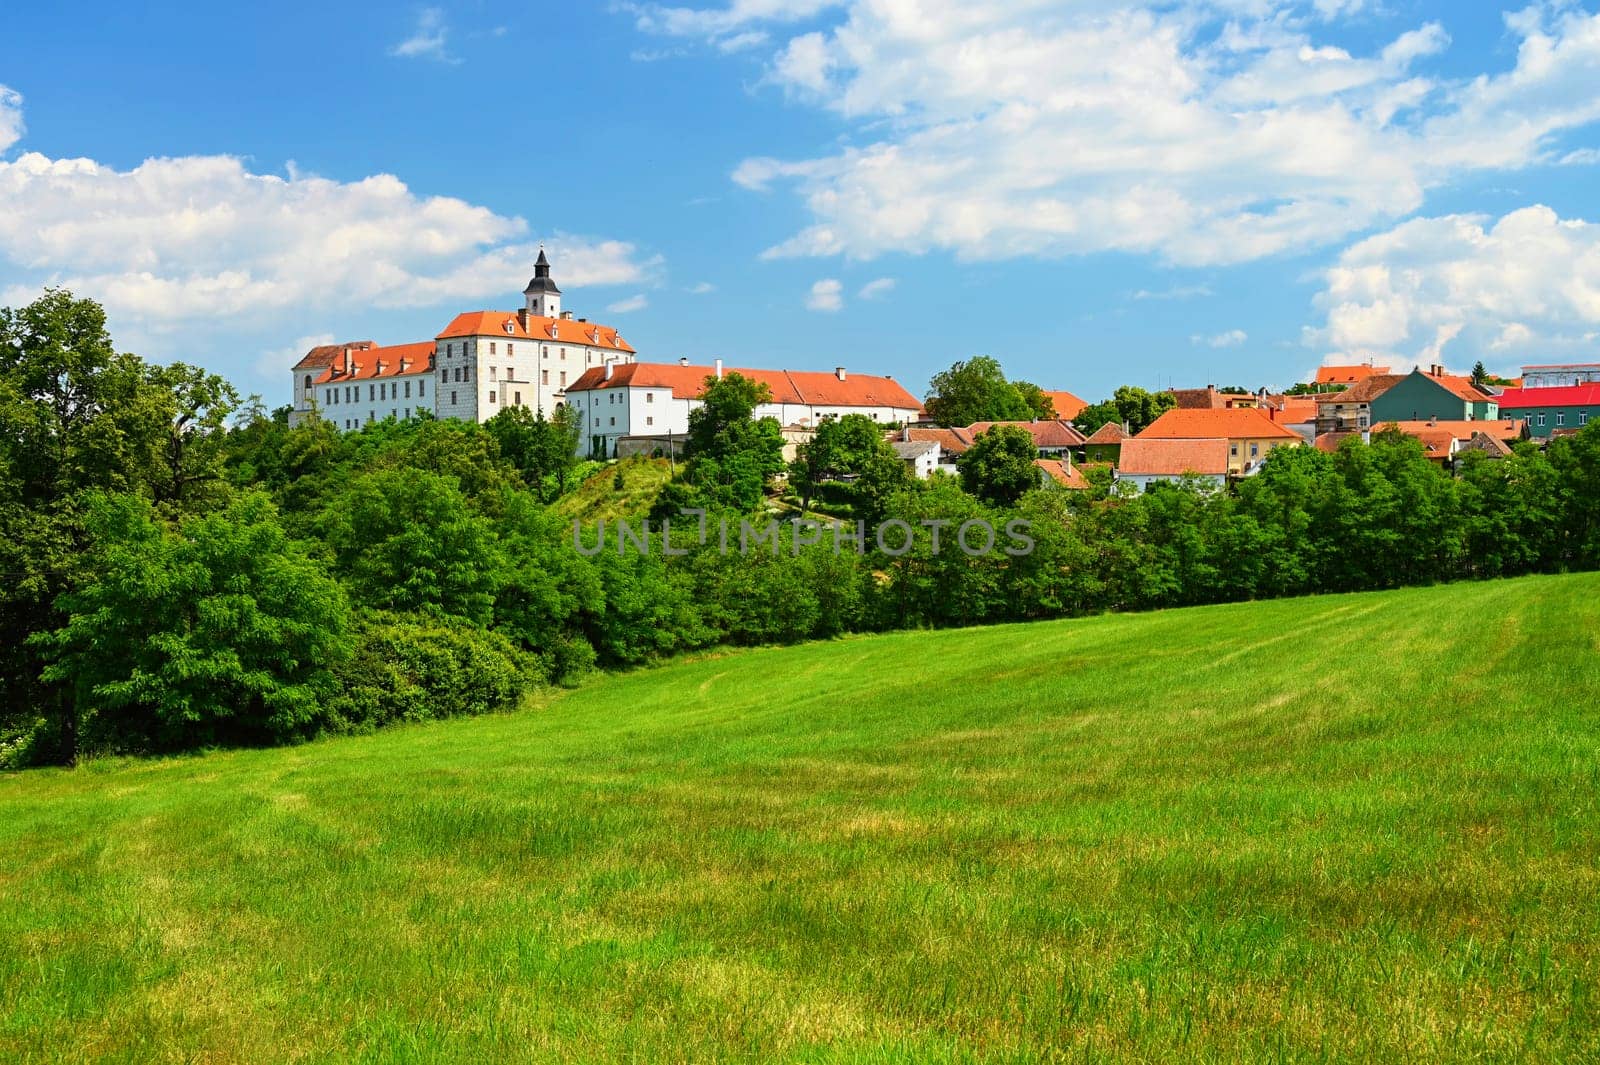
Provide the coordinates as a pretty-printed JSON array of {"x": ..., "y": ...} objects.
[
  {"x": 1548, "y": 409},
  {"x": 1105, "y": 444},
  {"x": 1434, "y": 394}
]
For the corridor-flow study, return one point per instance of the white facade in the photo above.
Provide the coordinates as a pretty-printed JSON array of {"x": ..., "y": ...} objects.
[{"x": 1581, "y": 373}]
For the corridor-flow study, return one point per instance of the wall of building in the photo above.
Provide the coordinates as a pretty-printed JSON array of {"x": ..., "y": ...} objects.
[
  {"x": 1542, "y": 421},
  {"x": 1556, "y": 376},
  {"x": 1416, "y": 398},
  {"x": 1143, "y": 481}
]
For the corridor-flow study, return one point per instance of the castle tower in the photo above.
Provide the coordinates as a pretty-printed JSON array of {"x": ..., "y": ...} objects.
[{"x": 542, "y": 297}]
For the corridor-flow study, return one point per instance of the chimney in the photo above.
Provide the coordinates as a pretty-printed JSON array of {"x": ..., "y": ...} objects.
[
  {"x": 584, "y": 320},
  {"x": 683, "y": 360},
  {"x": 522, "y": 319},
  {"x": 838, "y": 371},
  {"x": 610, "y": 368},
  {"x": 566, "y": 316},
  {"x": 905, "y": 433},
  {"x": 349, "y": 363},
  {"x": 719, "y": 369},
  {"x": 1436, "y": 370}
]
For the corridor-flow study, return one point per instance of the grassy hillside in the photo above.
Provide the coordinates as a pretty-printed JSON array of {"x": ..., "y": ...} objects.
[
  {"x": 1360, "y": 827},
  {"x": 600, "y": 498}
]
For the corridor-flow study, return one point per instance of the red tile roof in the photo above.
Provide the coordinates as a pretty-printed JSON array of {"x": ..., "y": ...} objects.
[
  {"x": 323, "y": 355},
  {"x": 1207, "y": 398},
  {"x": 516, "y": 326},
  {"x": 416, "y": 358},
  {"x": 1109, "y": 433},
  {"x": 1062, "y": 473},
  {"x": 1067, "y": 405},
  {"x": 1330, "y": 442},
  {"x": 1347, "y": 375},
  {"x": 1163, "y": 457},
  {"x": 1461, "y": 387},
  {"x": 1558, "y": 396},
  {"x": 1363, "y": 391},
  {"x": 1295, "y": 411},
  {"x": 1237, "y": 423},
  {"x": 955, "y": 441},
  {"x": 788, "y": 386},
  {"x": 1052, "y": 433},
  {"x": 1501, "y": 429}
]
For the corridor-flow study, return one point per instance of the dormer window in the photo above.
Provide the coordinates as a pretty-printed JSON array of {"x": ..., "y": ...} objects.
[{"x": 510, "y": 328}]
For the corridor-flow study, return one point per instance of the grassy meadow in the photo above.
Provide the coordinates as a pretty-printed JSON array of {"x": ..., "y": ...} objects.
[{"x": 1359, "y": 827}]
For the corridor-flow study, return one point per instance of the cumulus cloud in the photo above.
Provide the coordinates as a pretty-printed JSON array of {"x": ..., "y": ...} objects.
[
  {"x": 428, "y": 38},
  {"x": 1231, "y": 339},
  {"x": 1202, "y": 132},
  {"x": 202, "y": 238},
  {"x": 875, "y": 289},
  {"x": 637, "y": 302},
  {"x": 826, "y": 295},
  {"x": 1463, "y": 287},
  {"x": 10, "y": 117}
]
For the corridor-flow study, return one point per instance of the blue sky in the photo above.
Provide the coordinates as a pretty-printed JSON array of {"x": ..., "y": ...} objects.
[{"x": 1227, "y": 191}]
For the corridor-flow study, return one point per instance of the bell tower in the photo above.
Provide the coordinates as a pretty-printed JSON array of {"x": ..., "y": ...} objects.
[{"x": 542, "y": 298}]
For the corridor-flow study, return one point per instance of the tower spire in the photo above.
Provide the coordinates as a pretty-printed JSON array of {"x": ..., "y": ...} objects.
[{"x": 542, "y": 297}]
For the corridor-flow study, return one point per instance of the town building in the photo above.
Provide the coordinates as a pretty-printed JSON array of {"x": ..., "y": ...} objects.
[
  {"x": 1433, "y": 394},
  {"x": 1333, "y": 376},
  {"x": 1509, "y": 430},
  {"x": 653, "y": 399},
  {"x": 1249, "y": 435},
  {"x": 1105, "y": 443},
  {"x": 1052, "y": 436},
  {"x": 1548, "y": 409},
  {"x": 481, "y": 363},
  {"x": 920, "y": 456},
  {"x": 1560, "y": 375},
  {"x": 1146, "y": 461}
]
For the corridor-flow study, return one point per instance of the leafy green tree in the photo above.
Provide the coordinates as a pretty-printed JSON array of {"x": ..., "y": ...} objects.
[
  {"x": 999, "y": 466},
  {"x": 975, "y": 391},
  {"x": 731, "y": 454},
  {"x": 1040, "y": 405},
  {"x": 408, "y": 540},
  {"x": 841, "y": 447},
  {"x": 222, "y": 632},
  {"x": 544, "y": 451},
  {"x": 1138, "y": 408},
  {"x": 1095, "y": 415}
]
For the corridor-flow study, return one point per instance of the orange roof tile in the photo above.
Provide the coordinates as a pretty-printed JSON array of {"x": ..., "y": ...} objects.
[
  {"x": 1347, "y": 375},
  {"x": 1109, "y": 433},
  {"x": 1236, "y": 423},
  {"x": 788, "y": 386},
  {"x": 323, "y": 355},
  {"x": 1500, "y": 429},
  {"x": 1165, "y": 457},
  {"x": 1207, "y": 398},
  {"x": 956, "y": 440},
  {"x": 1047, "y": 433},
  {"x": 517, "y": 326},
  {"x": 1363, "y": 391},
  {"x": 1067, "y": 405},
  {"x": 1330, "y": 442},
  {"x": 415, "y": 358},
  {"x": 1062, "y": 473}
]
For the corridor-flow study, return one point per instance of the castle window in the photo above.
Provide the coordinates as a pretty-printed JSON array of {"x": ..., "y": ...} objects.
[
  {"x": 518, "y": 400},
  {"x": 372, "y": 393},
  {"x": 494, "y": 372},
  {"x": 563, "y": 379},
  {"x": 491, "y": 347},
  {"x": 422, "y": 386},
  {"x": 491, "y": 397},
  {"x": 544, "y": 377},
  {"x": 308, "y": 382},
  {"x": 408, "y": 389},
  {"x": 452, "y": 399}
]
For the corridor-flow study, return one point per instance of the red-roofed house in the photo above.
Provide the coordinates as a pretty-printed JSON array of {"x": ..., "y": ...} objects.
[
  {"x": 481, "y": 363},
  {"x": 1146, "y": 461},
  {"x": 1053, "y": 437},
  {"x": 1249, "y": 434},
  {"x": 1066, "y": 404},
  {"x": 1548, "y": 409},
  {"x": 654, "y": 398},
  {"x": 1421, "y": 395},
  {"x": 1347, "y": 375},
  {"x": 1105, "y": 443}
]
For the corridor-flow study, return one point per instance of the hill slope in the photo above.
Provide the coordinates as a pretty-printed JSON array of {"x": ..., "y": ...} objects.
[{"x": 1350, "y": 827}]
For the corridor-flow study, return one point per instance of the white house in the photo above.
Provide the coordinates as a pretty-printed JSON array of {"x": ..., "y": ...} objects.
[
  {"x": 921, "y": 455},
  {"x": 1145, "y": 461},
  {"x": 480, "y": 364},
  {"x": 653, "y": 399}
]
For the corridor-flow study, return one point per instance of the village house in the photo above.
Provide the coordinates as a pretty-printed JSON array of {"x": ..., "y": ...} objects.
[
  {"x": 1561, "y": 375},
  {"x": 1433, "y": 394},
  {"x": 1147, "y": 461},
  {"x": 1350, "y": 410},
  {"x": 1333, "y": 376},
  {"x": 1549, "y": 409},
  {"x": 1249, "y": 434},
  {"x": 481, "y": 363},
  {"x": 1105, "y": 443},
  {"x": 1053, "y": 437},
  {"x": 921, "y": 456},
  {"x": 653, "y": 399},
  {"x": 1509, "y": 430}
]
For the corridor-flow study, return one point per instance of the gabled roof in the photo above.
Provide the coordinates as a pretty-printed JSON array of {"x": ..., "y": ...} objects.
[
  {"x": 955, "y": 441},
  {"x": 323, "y": 355},
  {"x": 1490, "y": 445},
  {"x": 1330, "y": 442},
  {"x": 914, "y": 449},
  {"x": 1067, "y": 405},
  {"x": 1460, "y": 387},
  {"x": 1460, "y": 429},
  {"x": 1235, "y": 423},
  {"x": 1296, "y": 411},
  {"x": 416, "y": 358},
  {"x": 1347, "y": 375},
  {"x": 1557, "y": 396},
  {"x": 1109, "y": 433},
  {"x": 1062, "y": 473},
  {"x": 1162, "y": 457},
  {"x": 1363, "y": 391},
  {"x": 513, "y": 325},
  {"x": 1051, "y": 433},
  {"x": 1207, "y": 398},
  {"x": 801, "y": 387}
]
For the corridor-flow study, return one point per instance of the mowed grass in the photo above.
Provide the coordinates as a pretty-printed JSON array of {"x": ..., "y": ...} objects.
[{"x": 1356, "y": 827}]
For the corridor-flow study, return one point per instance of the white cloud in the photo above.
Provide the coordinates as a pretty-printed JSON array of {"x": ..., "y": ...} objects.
[
  {"x": 1463, "y": 287},
  {"x": 1581, "y": 157},
  {"x": 1231, "y": 339},
  {"x": 826, "y": 295},
  {"x": 273, "y": 363},
  {"x": 874, "y": 289},
  {"x": 702, "y": 288},
  {"x": 637, "y": 302},
  {"x": 10, "y": 117},
  {"x": 202, "y": 239},
  {"x": 427, "y": 40},
  {"x": 1203, "y": 132},
  {"x": 1176, "y": 292}
]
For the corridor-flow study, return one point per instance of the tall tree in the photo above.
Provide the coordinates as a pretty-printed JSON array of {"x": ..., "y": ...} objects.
[
  {"x": 731, "y": 453},
  {"x": 999, "y": 466},
  {"x": 975, "y": 391},
  {"x": 841, "y": 447}
]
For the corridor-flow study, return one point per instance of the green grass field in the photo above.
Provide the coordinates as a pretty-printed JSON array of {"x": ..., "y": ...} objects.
[{"x": 1356, "y": 827}]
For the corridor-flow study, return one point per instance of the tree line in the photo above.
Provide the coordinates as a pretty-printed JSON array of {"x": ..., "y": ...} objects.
[{"x": 183, "y": 569}]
